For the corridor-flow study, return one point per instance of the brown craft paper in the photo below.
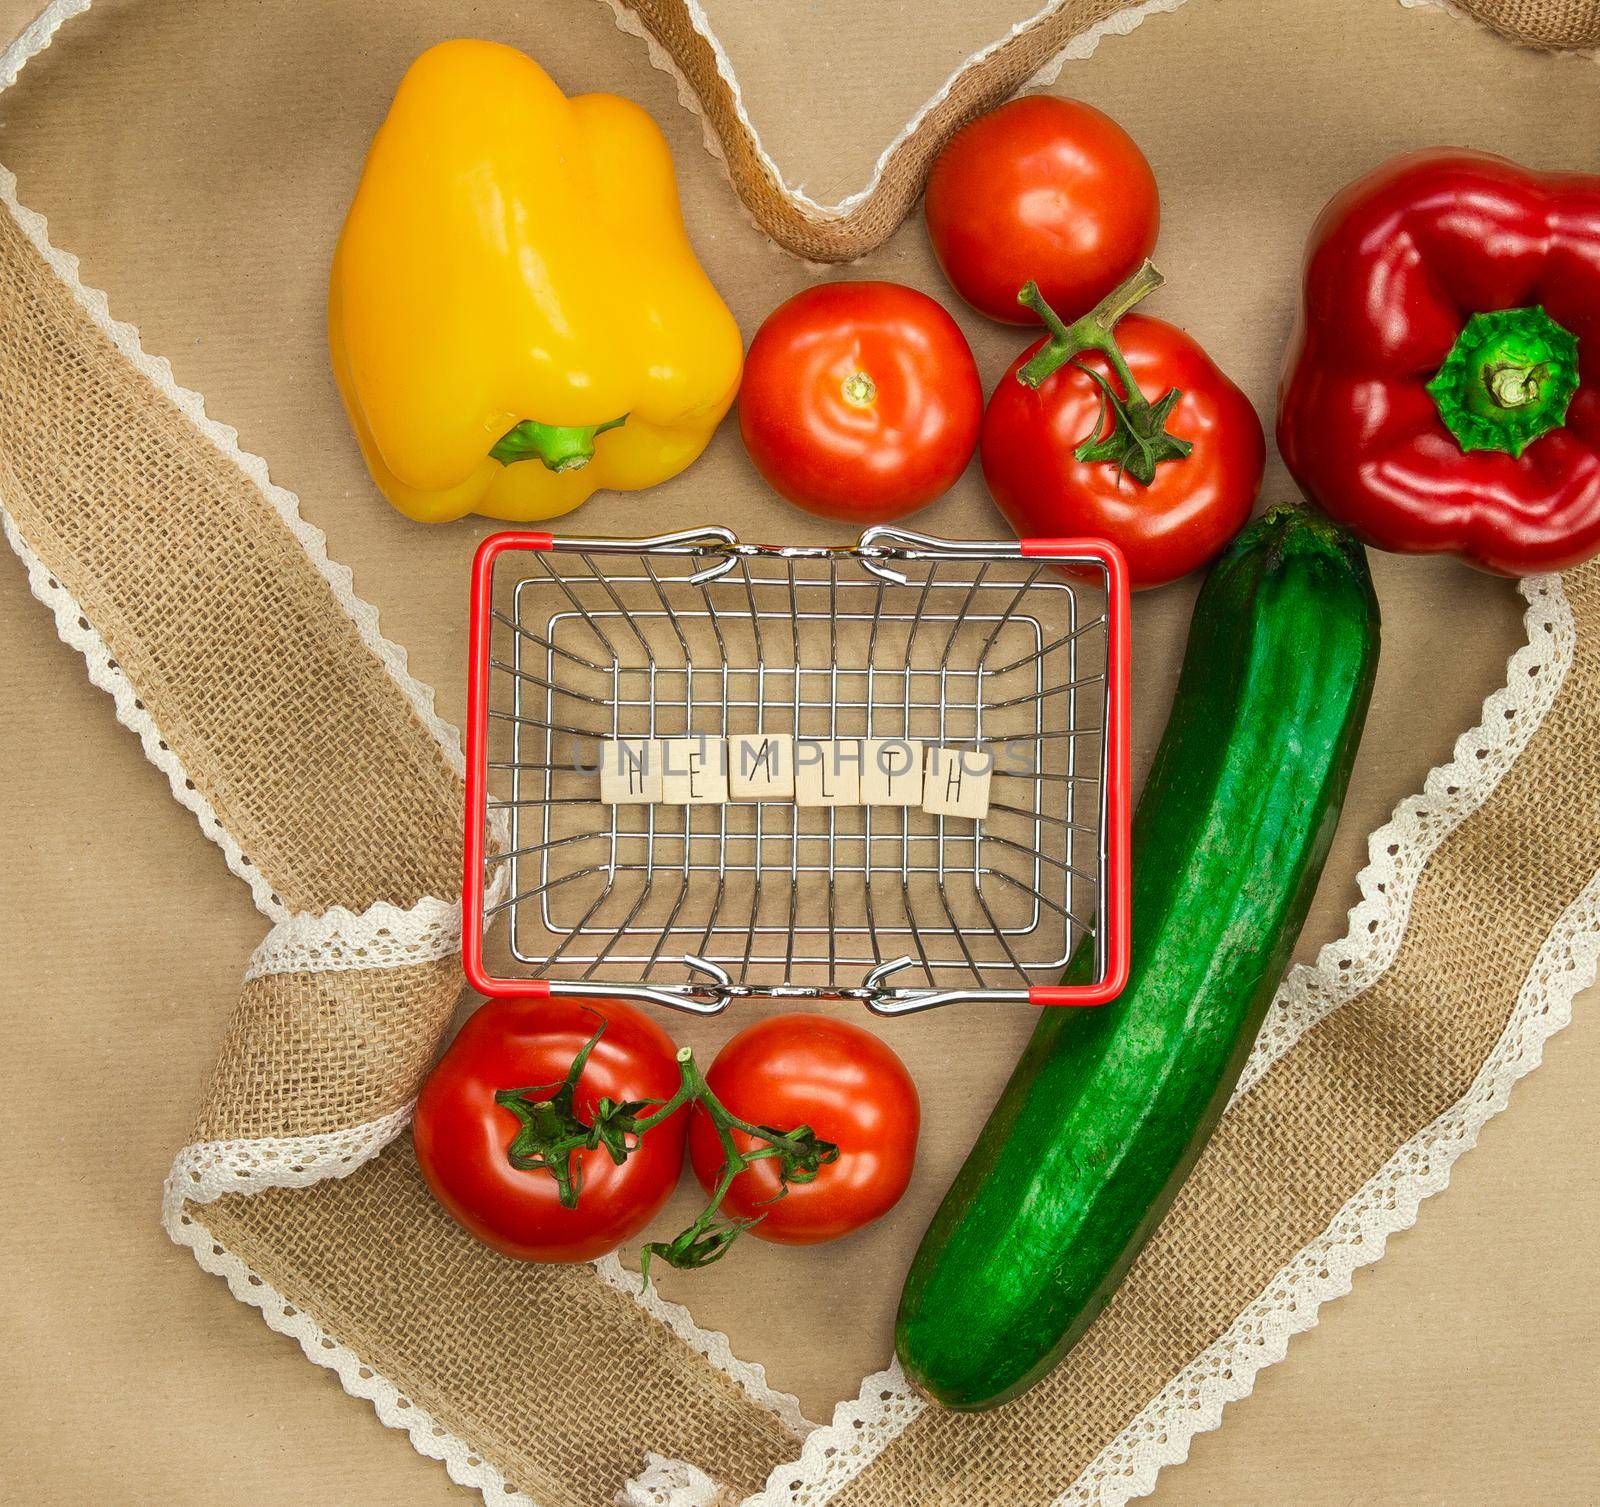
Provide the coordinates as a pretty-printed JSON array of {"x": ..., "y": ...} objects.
[{"x": 289, "y": 728}]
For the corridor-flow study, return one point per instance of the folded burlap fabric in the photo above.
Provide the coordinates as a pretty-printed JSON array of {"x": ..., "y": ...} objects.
[
  {"x": 261, "y": 686},
  {"x": 684, "y": 43}
]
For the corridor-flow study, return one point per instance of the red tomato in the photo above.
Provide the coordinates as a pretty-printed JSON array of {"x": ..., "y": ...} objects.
[
  {"x": 847, "y": 1086},
  {"x": 462, "y": 1135},
  {"x": 860, "y": 401},
  {"x": 1042, "y": 188},
  {"x": 1192, "y": 508}
]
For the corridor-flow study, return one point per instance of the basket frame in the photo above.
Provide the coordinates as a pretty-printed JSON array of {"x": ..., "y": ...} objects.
[{"x": 876, "y": 551}]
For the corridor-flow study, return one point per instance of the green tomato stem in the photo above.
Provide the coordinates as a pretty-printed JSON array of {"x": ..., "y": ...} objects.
[
  {"x": 550, "y": 1132},
  {"x": 1093, "y": 332},
  {"x": 1137, "y": 441}
]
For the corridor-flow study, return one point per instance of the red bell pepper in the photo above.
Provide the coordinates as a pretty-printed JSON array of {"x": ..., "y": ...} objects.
[{"x": 1442, "y": 392}]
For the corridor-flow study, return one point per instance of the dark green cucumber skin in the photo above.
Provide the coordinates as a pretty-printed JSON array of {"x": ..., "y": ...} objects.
[{"x": 1108, "y": 1109}]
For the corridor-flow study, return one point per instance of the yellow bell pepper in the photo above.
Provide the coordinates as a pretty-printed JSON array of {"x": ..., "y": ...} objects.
[{"x": 515, "y": 315}]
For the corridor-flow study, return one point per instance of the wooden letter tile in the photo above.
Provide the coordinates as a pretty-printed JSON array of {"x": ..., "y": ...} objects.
[
  {"x": 891, "y": 772},
  {"x": 694, "y": 771},
  {"x": 630, "y": 772},
  {"x": 957, "y": 782},
  {"x": 827, "y": 772},
  {"x": 761, "y": 767}
]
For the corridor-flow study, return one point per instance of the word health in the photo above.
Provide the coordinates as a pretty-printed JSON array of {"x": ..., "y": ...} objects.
[{"x": 697, "y": 770}]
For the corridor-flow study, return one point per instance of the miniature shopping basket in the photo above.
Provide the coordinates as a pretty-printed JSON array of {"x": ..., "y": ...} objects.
[{"x": 1019, "y": 651}]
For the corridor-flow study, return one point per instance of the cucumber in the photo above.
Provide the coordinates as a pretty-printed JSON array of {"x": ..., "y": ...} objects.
[{"x": 1108, "y": 1109}]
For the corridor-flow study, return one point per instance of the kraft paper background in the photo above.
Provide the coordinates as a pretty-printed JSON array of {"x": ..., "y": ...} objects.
[{"x": 164, "y": 143}]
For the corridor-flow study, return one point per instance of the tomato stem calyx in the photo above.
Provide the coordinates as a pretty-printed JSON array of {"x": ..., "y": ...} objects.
[
  {"x": 1137, "y": 440},
  {"x": 550, "y": 1131},
  {"x": 859, "y": 390}
]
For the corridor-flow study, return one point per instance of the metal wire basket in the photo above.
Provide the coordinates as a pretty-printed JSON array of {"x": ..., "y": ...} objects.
[{"x": 1020, "y": 650}]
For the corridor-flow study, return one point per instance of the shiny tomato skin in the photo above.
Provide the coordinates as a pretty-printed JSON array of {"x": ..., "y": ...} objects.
[
  {"x": 1185, "y": 517},
  {"x": 1046, "y": 189},
  {"x": 826, "y": 443},
  {"x": 844, "y": 1083},
  {"x": 462, "y": 1135}
]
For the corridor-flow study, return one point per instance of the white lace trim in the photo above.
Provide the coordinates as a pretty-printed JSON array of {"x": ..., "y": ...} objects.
[
  {"x": 210, "y": 1170},
  {"x": 711, "y": 1343},
  {"x": 1120, "y": 23},
  {"x": 834, "y": 1455},
  {"x": 465, "y": 1466},
  {"x": 1400, "y": 849},
  {"x": 382, "y": 936},
  {"x": 71, "y": 622},
  {"x": 205, "y": 1171},
  {"x": 668, "y": 1483},
  {"x": 77, "y": 632},
  {"x": 35, "y": 37}
]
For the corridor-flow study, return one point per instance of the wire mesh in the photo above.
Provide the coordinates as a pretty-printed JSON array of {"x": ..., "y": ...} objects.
[{"x": 937, "y": 644}]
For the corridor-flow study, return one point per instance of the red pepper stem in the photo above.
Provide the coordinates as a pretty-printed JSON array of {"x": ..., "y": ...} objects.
[
  {"x": 1093, "y": 332},
  {"x": 1517, "y": 386}
]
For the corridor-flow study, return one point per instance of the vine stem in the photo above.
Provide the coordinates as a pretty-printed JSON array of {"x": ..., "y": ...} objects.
[
  {"x": 551, "y": 1131},
  {"x": 1137, "y": 440},
  {"x": 1090, "y": 333}
]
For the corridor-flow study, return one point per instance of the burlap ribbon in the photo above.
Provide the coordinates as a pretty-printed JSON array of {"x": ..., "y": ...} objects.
[
  {"x": 865, "y": 220},
  {"x": 1541, "y": 23},
  {"x": 284, "y": 725},
  {"x": 303, "y": 746}
]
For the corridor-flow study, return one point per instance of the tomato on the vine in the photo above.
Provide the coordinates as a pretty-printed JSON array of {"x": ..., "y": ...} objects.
[
  {"x": 860, "y": 401},
  {"x": 847, "y": 1086},
  {"x": 463, "y": 1136},
  {"x": 1138, "y": 439},
  {"x": 1045, "y": 190}
]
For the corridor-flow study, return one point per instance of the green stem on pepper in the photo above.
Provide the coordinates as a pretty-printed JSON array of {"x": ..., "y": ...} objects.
[
  {"x": 1137, "y": 440},
  {"x": 562, "y": 447},
  {"x": 550, "y": 1131},
  {"x": 1507, "y": 380}
]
